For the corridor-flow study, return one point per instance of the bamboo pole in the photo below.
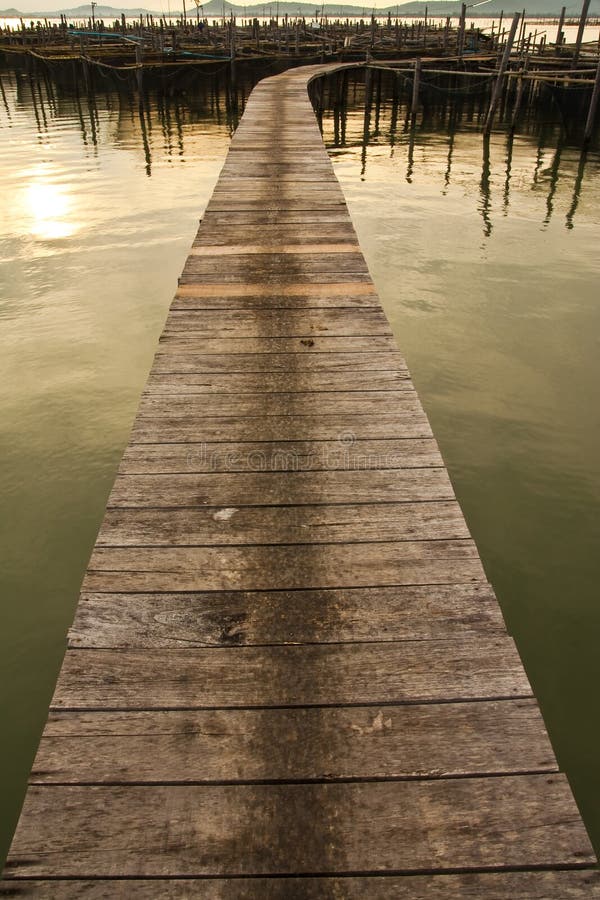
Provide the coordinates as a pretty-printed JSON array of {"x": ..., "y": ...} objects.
[
  {"x": 414, "y": 109},
  {"x": 461, "y": 30},
  {"x": 501, "y": 70},
  {"x": 589, "y": 125},
  {"x": 561, "y": 22},
  {"x": 582, "y": 21}
]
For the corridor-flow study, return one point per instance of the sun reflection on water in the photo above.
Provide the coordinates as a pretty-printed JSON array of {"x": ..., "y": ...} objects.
[{"x": 47, "y": 207}]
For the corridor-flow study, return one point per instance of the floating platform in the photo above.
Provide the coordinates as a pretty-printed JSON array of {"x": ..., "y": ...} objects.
[{"x": 288, "y": 675}]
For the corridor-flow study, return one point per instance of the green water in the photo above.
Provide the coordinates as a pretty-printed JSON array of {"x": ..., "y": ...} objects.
[{"x": 490, "y": 280}]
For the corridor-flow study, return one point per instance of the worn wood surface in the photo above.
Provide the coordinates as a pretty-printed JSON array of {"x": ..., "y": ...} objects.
[
  {"x": 174, "y": 385},
  {"x": 197, "y": 361},
  {"x": 305, "y": 675},
  {"x": 286, "y": 659},
  {"x": 344, "y": 523},
  {"x": 322, "y": 744},
  {"x": 235, "y": 618},
  {"x": 343, "y": 453},
  {"x": 403, "y": 826},
  {"x": 259, "y": 488},
  {"x": 270, "y": 567},
  {"x": 538, "y": 885}
]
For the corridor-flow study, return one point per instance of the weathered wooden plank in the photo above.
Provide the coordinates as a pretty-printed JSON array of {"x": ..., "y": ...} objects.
[
  {"x": 198, "y": 361},
  {"x": 188, "y": 297},
  {"x": 261, "y": 487},
  {"x": 297, "y": 403},
  {"x": 468, "y": 668},
  {"x": 410, "y": 826},
  {"x": 271, "y": 261},
  {"x": 276, "y": 276},
  {"x": 272, "y": 567},
  {"x": 309, "y": 344},
  {"x": 342, "y": 233},
  {"x": 344, "y": 289},
  {"x": 235, "y": 383},
  {"x": 266, "y": 194},
  {"x": 265, "y": 488},
  {"x": 287, "y": 266},
  {"x": 342, "y": 523},
  {"x": 269, "y": 323},
  {"x": 239, "y": 618},
  {"x": 233, "y": 204},
  {"x": 294, "y": 456},
  {"x": 261, "y": 248},
  {"x": 279, "y": 295},
  {"x": 216, "y": 218},
  {"x": 241, "y": 170},
  {"x": 341, "y": 428},
  {"x": 202, "y": 746},
  {"x": 266, "y": 187},
  {"x": 574, "y": 884}
]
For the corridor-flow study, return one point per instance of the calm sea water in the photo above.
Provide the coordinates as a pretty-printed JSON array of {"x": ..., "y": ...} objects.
[{"x": 486, "y": 260}]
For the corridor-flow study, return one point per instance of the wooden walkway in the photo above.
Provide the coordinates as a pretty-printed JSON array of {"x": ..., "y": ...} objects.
[{"x": 287, "y": 675}]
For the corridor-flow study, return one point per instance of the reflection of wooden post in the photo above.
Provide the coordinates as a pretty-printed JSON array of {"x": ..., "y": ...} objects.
[
  {"x": 368, "y": 102},
  {"x": 414, "y": 109},
  {"x": 501, "y": 70},
  {"x": 561, "y": 22},
  {"x": 582, "y": 21},
  {"x": 589, "y": 125}
]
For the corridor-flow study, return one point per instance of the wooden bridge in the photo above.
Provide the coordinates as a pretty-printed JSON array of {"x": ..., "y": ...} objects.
[{"x": 288, "y": 676}]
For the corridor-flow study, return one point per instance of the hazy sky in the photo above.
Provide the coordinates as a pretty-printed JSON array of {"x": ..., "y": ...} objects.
[{"x": 162, "y": 5}]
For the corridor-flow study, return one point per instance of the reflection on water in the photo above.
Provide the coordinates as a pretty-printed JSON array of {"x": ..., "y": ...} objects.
[
  {"x": 485, "y": 254},
  {"x": 448, "y": 110},
  {"x": 99, "y": 201}
]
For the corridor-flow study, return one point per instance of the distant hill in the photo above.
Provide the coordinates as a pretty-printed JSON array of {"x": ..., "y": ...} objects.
[{"x": 437, "y": 8}]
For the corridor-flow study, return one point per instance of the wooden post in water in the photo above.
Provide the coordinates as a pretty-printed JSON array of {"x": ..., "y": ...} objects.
[
  {"x": 521, "y": 38},
  {"x": 561, "y": 22},
  {"x": 501, "y": 70},
  {"x": 519, "y": 97},
  {"x": 461, "y": 30},
  {"x": 139, "y": 70},
  {"x": 414, "y": 109},
  {"x": 582, "y": 21},
  {"x": 589, "y": 125}
]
